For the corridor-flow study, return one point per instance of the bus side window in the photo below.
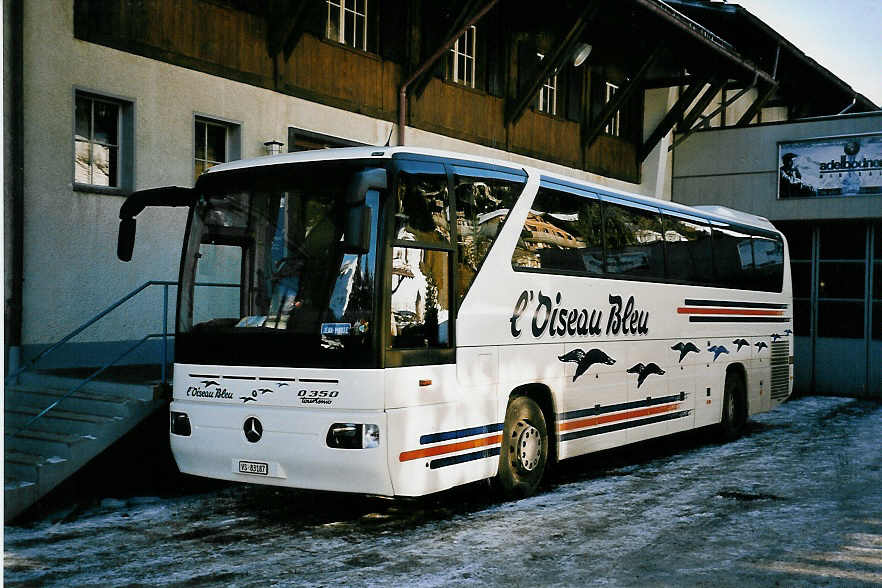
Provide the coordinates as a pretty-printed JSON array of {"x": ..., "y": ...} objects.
[
  {"x": 733, "y": 258},
  {"x": 482, "y": 206},
  {"x": 423, "y": 208},
  {"x": 768, "y": 260},
  {"x": 688, "y": 250},
  {"x": 562, "y": 232},
  {"x": 633, "y": 238},
  {"x": 420, "y": 299}
]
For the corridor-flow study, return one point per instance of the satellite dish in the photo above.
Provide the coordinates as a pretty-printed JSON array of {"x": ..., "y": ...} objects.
[{"x": 583, "y": 50}]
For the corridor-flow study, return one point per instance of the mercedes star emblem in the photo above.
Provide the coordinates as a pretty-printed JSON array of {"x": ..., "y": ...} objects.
[{"x": 253, "y": 429}]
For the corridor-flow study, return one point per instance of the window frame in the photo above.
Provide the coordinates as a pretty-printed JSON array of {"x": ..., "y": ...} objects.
[
  {"x": 232, "y": 137},
  {"x": 613, "y": 127},
  {"x": 125, "y": 143},
  {"x": 469, "y": 43},
  {"x": 342, "y": 7}
]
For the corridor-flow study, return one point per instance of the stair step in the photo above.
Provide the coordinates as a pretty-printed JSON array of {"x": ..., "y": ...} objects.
[
  {"x": 27, "y": 466},
  {"x": 56, "y": 420},
  {"x": 48, "y": 443},
  {"x": 97, "y": 404}
]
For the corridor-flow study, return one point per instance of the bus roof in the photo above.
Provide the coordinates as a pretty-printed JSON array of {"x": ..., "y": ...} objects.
[{"x": 713, "y": 213}]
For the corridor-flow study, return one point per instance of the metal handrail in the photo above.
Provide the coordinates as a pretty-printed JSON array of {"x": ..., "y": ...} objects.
[
  {"x": 91, "y": 377},
  {"x": 31, "y": 364},
  {"x": 33, "y": 361}
]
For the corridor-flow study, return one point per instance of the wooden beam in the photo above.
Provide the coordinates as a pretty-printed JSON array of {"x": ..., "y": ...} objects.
[
  {"x": 715, "y": 86},
  {"x": 281, "y": 19},
  {"x": 754, "y": 108},
  {"x": 514, "y": 110},
  {"x": 590, "y": 133},
  {"x": 705, "y": 118},
  {"x": 674, "y": 115}
]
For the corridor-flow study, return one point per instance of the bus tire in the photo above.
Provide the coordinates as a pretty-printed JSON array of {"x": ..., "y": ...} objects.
[
  {"x": 524, "y": 452},
  {"x": 734, "y": 408}
]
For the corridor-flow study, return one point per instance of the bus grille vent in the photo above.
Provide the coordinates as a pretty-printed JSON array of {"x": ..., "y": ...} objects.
[{"x": 780, "y": 385}]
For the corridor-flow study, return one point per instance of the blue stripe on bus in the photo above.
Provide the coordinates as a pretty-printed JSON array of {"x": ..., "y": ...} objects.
[
  {"x": 575, "y": 414},
  {"x": 623, "y": 425},
  {"x": 733, "y": 304},
  {"x": 459, "y": 434},
  {"x": 455, "y": 459}
]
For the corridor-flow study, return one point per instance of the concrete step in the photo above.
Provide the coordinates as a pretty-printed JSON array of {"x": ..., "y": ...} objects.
[
  {"x": 66, "y": 445},
  {"x": 67, "y": 437},
  {"x": 27, "y": 466},
  {"x": 93, "y": 403},
  {"x": 55, "y": 421},
  {"x": 140, "y": 391}
]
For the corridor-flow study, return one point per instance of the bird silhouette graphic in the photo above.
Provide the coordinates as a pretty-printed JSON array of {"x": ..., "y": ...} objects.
[
  {"x": 775, "y": 336},
  {"x": 788, "y": 332},
  {"x": 760, "y": 346},
  {"x": 585, "y": 360},
  {"x": 717, "y": 350},
  {"x": 280, "y": 384},
  {"x": 264, "y": 391},
  {"x": 246, "y": 399},
  {"x": 684, "y": 348},
  {"x": 644, "y": 371},
  {"x": 740, "y": 343},
  {"x": 208, "y": 383}
]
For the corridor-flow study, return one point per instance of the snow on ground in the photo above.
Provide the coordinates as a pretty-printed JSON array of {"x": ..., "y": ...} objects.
[{"x": 797, "y": 500}]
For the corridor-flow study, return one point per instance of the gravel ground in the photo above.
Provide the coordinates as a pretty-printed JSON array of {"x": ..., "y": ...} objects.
[{"x": 796, "y": 501}]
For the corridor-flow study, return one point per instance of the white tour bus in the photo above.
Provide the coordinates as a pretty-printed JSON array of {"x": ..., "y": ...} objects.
[{"x": 399, "y": 321}]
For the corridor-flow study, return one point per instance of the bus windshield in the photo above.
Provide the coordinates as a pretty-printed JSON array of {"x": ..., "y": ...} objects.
[{"x": 266, "y": 278}]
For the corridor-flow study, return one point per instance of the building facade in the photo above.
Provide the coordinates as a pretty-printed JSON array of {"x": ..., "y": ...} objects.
[
  {"x": 135, "y": 94},
  {"x": 819, "y": 180}
]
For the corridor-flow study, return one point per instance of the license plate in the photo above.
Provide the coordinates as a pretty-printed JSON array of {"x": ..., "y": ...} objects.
[{"x": 255, "y": 468}]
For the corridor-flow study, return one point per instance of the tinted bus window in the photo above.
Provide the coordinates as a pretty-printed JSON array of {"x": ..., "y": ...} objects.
[
  {"x": 423, "y": 210},
  {"x": 768, "y": 260},
  {"x": 634, "y": 243},
  {"x": 733, "y": 258},
  {"x": 482, "y": 205},
  {"x": 688, "y": 250},
  {"x": 563, "y": 232}
]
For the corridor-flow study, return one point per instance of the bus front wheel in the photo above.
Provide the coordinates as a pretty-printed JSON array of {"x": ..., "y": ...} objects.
[
  {"x": 524, "y": 450},
  {"x": 734, "y": 408}
]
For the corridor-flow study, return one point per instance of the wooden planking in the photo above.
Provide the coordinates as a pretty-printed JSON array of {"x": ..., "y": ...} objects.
[
  {"x": 459, "y": 112},
  {"x": 551, "y": 138},
  {"x": 613, "y": 157}
]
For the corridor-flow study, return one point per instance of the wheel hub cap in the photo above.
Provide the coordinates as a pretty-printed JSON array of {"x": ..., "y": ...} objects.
[{"x": 529, "y": 448}]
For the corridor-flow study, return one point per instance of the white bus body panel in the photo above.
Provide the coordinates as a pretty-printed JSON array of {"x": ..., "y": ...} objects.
[{"x": 295, "y": 425}]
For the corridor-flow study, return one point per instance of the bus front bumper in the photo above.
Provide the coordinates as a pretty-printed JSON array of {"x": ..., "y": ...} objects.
[{"x": 281, "y": 447}]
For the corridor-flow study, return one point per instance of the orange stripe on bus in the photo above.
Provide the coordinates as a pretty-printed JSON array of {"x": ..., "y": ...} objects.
[
  {"x": 611, "y": 418},
  {"x": 452, "y": 447},
  {"x": 732, "y": 311}
]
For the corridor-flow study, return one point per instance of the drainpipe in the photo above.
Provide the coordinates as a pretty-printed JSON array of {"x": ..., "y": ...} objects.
[
  {"x": 402, "y": 94},
  {"x": 13, "y": 183}
]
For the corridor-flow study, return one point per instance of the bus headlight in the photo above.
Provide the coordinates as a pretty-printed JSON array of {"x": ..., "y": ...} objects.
[
  {"x": 353, "y": 436},
  {"x": 180, "y": 424}
]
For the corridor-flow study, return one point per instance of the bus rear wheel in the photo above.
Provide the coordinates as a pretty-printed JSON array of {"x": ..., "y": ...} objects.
[
  {"x": 734, "y": 408},
  {"x": 524, "y": 451}
]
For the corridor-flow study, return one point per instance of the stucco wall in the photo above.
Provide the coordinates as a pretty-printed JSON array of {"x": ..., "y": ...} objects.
[
  {"x": 738, "y": 167},
  {"x": 70, "y": 266}
]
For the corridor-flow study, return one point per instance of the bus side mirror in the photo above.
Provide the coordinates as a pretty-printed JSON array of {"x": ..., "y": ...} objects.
[
  {"x": 357, "y": 232},
  {"x": 125, "y": 242}
]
